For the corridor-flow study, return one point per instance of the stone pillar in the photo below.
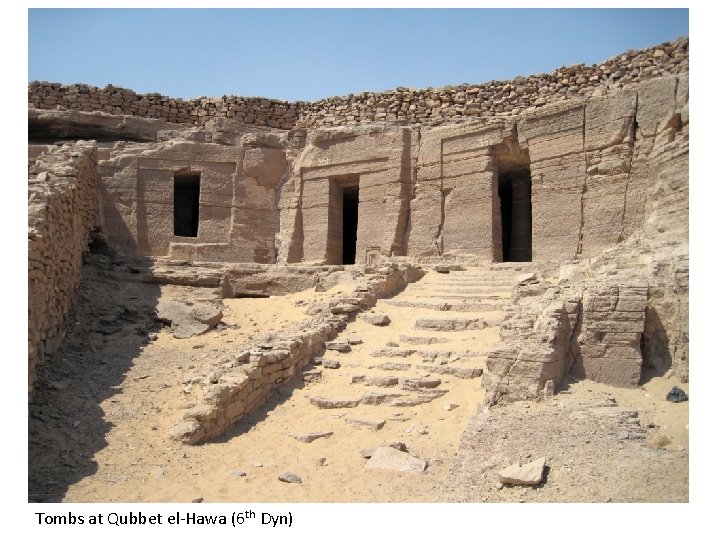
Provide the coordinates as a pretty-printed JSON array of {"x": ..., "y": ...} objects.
[{"x": 521, "y": 228}]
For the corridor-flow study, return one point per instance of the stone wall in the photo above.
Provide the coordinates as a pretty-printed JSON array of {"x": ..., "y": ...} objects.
[
  {"x": 234, "y": 390},
  {"x": 121, "y": 101},
  {"x": 402, "y": 104},
  {"x": 62, "y": 200}
]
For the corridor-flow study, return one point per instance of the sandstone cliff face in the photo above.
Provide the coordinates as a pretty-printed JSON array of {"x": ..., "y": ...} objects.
[{"x": 600, "y": 177}]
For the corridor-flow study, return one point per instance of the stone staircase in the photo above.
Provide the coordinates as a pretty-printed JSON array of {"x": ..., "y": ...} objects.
[{"x": 434, "y": 347}]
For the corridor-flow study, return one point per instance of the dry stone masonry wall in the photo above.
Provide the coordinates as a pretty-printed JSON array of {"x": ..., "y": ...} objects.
[
  {"x": 62, "y": 195},
  {"x": 402, "y": 104},
  {"x": 234, "y": 390},
  {"x": 592, "y": 161}
]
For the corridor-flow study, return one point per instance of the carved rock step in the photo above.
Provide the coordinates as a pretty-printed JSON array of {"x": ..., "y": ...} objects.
[
  {"x": 473, "y": 280},
  {"x": 327, "y": 403},
  {"x": 458, "y": 294},
  {"x": 450, "y": 325},
  {"x": 455, "y": 371},
  {"x": 448, "y": 354},
  {"x": 393, "y": 366},
  {"x": 423, "y": 340},
  {"x": 376, "y": 398},
  {"x": 391, "y": 352},
  {"x": 484, "y": 289},
  {"x": 448, "y": 306},
  {"x": 418, "y": 383},
  {"x": 381, "y": 381}
]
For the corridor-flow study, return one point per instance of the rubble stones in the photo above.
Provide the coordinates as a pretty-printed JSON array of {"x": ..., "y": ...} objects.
[{"x": 402, "y": 104}]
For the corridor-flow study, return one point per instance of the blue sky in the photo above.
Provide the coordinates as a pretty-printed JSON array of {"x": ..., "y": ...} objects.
[{"x": 308, "y": 54}]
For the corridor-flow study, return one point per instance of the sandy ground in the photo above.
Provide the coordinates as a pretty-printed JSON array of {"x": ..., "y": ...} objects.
[{"x": 102, "y": 410}]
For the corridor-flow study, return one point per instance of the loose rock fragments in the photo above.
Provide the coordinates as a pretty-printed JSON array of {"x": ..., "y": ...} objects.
[
  {"x": 530, "y": 474},
  {"x": 392, "y": 459}
]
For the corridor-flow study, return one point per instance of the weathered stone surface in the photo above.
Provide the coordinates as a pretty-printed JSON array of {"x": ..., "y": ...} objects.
[
  {"x": 414, "y": 384},
  {"x": 423, "y": 340},
  {"x": 530, "y": 474},
  {"x": 326, "y": 403},
  {"x": 391, "y": 352},
  {"x": 339, "y": 346},
  {"x": 597, "y": 158},
  {"x": 329, "y": 363},
  {"x": 188, "y": 321},
  {"x": 420, "y": 396},
  {"x": 386, "y": 458},
  {"x": 187, "y": 431},
  {"x": 375, "y": 319},
  {"x": 376, "y": 398},
  {"x": 290, "y": 478},
  {"x": 363, "y": 422},
  {"x": 377, "y": 380},
  {"x": 394, "y": 366},
  {"x": 62, "y": 185},
  {"x": 449, "y": 325},
  {"x": 310, "y": 437},
  {"x": 455, "y": 371},
  {"x": 368, "y": 452},
  {"x": 345, "y": 308}
]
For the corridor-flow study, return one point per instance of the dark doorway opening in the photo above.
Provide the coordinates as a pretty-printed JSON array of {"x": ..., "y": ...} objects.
[
  {"x": 343, "y": 206},
  {"x": 514, "y": 191},
  {"x": 186, "y": 205},
  {"x": 351, "y": 200}
]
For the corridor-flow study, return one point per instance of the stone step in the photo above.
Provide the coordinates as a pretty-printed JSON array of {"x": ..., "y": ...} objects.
[
  {"x": 423, "y": 340},
  {"x": 458, "y": 298},
  {"x": 407, "y": 399},
  {"x": 486, "y": 291},
  {"x": 461, "y": 306},
  {"x": 394, "y": 366},
  {"x": 479, "y": 279},
  {"x": 452, "y": 353},
  {"x": 382, "y": 381},
  {"x": 391, "y": 352},
  {"x": 451, "y": 324},
  {"x": 455, "y": 371}
]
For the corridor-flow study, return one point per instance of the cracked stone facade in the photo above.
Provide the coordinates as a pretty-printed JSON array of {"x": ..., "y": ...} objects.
[{"x": 581, "y": 175}]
